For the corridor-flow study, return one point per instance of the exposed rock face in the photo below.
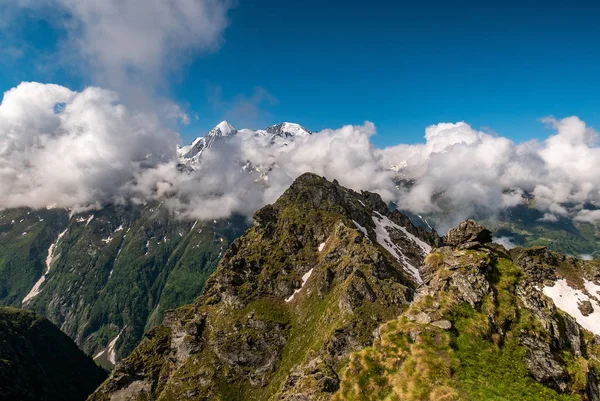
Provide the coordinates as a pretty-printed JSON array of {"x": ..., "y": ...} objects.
[
  {"x": 311, "y": 282},
  {"x": 468, "y": 234},
  {"x": 542, "y": 365},
  {"x": 40, "y": 363},
  {"x": 481, "y": 324}
]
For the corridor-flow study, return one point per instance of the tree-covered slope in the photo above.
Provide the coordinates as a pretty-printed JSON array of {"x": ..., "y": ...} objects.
[
  {"x": 40, "y": 363},
  {"x": 106, "y": 276}
]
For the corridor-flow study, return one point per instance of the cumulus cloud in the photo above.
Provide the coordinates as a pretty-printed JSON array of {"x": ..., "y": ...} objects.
[
  {"x": 70, "y": 149},
  {"x": 219, "y": 186},
  {"x": 86, "y": 149},
  {"x": 506, "y": 242},
  {"x": 132, "y": 45},
  {"x": 468, "y": 172}
]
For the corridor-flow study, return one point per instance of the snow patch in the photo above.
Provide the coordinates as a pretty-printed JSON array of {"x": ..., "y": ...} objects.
[
  {"x": 567, "y": 299},
  {"x": 120, "y": 228},
  {"x": 305, "y": 278},
  {"x": 321, "y": 247},
  {"x": 112, "y": 357},
  {"x": 592, "y": 288},
  {"x": 361, "y": 228},
  {"x": 382, "y": 224},
  {"x": 425, "y": 247},
  {"x": 36, "y": 289},
  {"x": 110, "y": 349}
]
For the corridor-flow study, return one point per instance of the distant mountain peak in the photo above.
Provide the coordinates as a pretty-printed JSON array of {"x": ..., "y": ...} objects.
[
  {"x": 223, "y": 129},
  {"x": 287, "y": 130}
]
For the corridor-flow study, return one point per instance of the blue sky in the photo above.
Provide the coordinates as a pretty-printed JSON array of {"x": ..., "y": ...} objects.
[{"x": 499, "y": 66}]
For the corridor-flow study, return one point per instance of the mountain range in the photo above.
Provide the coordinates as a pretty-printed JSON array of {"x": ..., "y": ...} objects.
[
  {"x": 332, "y": 296},
  {"x": 328, "y": 293}
]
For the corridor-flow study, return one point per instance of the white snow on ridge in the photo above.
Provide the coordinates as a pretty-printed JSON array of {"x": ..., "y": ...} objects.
[
  {"x": 225, "y": 128},
  {"x": 294, "y": 129},
  {"x": 382, "y": 224},
  {"x": 305, "y": 278},
  {"x": 567, "y": 299},
  {"x": 592, "y": 288},
  {"x": 35, "y": 290},
  {"x": 321, "y": 247},
  {"x": 425, "y": 247},
  {"x": 361, "y": 228}
]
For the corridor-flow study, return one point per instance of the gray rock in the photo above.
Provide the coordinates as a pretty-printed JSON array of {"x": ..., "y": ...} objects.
[
  {"x": 592, "y": 390},
  {"x": 423, "y": 318},
  {"x": 541, "y": 364},
  {"x": 442, "y": 324},
  {"x": 467, "y": 232}
]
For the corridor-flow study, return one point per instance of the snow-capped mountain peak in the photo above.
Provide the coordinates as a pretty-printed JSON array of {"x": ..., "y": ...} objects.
[
  {"x": 194, "y": 150},
  {"x": 223, "y": 129},
  {"x": 276, "y": 135},
  {"x": 287, "y": 130}
]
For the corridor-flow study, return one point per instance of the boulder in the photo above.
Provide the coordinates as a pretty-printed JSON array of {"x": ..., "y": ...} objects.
[{"x": 467, "y": 233}]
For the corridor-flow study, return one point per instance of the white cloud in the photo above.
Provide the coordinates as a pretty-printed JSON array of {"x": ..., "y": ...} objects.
[
  {"x": 467, "y": 172},
  {"x": 133, "y": 45},
  {"x": 79, "y": 156},
  {"x": 506, "y": 242},
  {"x": 84, "y": 149}
]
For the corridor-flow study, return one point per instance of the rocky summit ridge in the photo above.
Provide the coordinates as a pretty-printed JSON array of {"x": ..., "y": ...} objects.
[
  {"x": 310, "y": 283},
  {"x": 332, "y": 296}
]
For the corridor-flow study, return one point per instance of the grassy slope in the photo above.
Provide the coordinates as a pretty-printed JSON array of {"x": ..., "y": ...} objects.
[{"x": 466, "y": 363}]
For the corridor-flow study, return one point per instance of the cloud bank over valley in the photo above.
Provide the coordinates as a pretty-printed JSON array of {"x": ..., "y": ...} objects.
[{"x": 81, "y": 150}]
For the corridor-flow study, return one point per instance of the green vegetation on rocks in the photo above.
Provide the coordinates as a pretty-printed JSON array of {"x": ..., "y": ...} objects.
[{"x": 288, "y": 303}]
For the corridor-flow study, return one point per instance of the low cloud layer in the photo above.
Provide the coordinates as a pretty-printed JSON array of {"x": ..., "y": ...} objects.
[
  {"x": 86, "y": 149},
  {"x": 471, "y": 172}
]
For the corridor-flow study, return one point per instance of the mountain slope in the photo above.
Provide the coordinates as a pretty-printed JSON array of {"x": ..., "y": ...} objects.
[
  {"x": 38, "y": 362},
  {"x": 482, "y": 328},
  {"x": 105, "y": 277},
  {"x": 307, "y": 285}
]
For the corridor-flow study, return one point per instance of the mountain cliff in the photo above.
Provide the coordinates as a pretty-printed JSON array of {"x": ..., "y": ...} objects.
[{"x": 38, "y": 362}]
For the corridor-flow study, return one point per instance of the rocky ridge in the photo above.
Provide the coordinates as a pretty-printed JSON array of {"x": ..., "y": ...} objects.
[
  {"x": 480, "y": 327},
  {"x": 312, "y": 281}
]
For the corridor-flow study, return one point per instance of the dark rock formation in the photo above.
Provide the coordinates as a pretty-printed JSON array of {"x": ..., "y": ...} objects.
[{"x": 40, "y": 363}]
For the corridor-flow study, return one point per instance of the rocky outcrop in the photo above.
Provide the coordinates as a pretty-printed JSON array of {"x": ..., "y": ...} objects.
[
  {"x": 481, "y": 324},
  {"x": 469, "y": 234},
  {"x": 40, "y": 363}
]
